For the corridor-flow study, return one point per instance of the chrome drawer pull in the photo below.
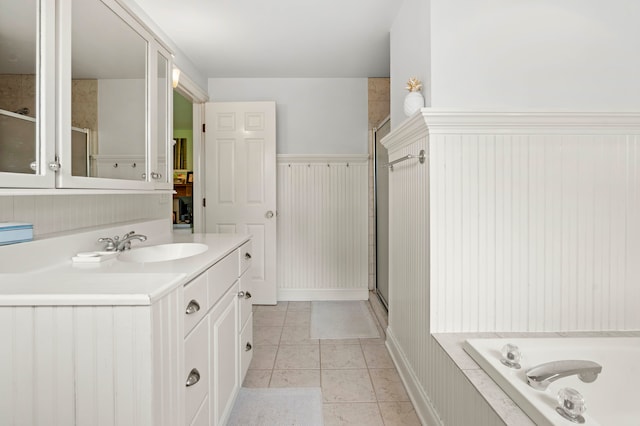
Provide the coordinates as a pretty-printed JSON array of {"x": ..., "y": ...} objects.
[
  {"x": 194, "y": 377},
  {"x": 193, "y": 307},
  {"x": 247, "y": 256},
  {"x": 248, "y": 347},
  {"x": 241, "y": 294}
]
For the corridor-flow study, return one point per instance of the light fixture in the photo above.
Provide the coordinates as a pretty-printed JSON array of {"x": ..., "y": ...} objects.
[{"x": 176, "y": 77}]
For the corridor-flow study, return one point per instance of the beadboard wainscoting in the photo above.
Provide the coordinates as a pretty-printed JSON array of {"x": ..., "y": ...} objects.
[
  {"x": 62, "y": 213},
  {"x": 516, "y": 222},
  {"x": 322, "y": 227},
  {"x": 110, "y": 383}
]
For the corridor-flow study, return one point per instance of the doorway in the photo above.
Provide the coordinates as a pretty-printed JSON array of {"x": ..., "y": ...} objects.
[
  {"x": 381, "y": 200},
  {"x": 183, "y": 177}
]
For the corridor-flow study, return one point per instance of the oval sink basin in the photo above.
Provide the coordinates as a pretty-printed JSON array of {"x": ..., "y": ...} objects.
[{"x": 162, "y": 252}]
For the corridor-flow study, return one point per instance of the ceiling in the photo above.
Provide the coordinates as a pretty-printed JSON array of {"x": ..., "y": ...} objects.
[{"x": 279, "y": 38}]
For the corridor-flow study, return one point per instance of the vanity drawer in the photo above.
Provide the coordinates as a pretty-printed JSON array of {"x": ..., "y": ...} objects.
[
  {"x": 246, "y": 347},
  {"x": 245, "y": 301},
  {"x": 221, "y": 276},
  {"x": 196, "y": 369},
  {"x": 245, "y": 254},
  {"x": 196, "y": 302}
]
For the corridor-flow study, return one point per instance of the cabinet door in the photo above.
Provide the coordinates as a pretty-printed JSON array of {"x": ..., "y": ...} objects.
[
  {"x": 196, "y": 369},
  {"x": 224, "y": 356}
]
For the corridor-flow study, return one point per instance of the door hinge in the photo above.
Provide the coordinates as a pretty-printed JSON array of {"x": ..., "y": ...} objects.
[
  {"x": 204, "y": 202},
  {"x": 204, "y": 127}
]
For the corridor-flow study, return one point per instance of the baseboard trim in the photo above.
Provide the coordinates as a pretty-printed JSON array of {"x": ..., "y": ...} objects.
[
  {"x": 421, "y": 403},
  {"x": 305, "y": 294}
]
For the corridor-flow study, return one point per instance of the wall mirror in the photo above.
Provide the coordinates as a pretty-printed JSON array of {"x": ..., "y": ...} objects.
[
  {"x": 108, "y": 94},
  {"x": 18, "y": 86}
]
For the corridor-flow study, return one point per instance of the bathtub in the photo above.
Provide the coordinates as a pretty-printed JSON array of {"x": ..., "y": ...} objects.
[{"x": 612, "y": 399}]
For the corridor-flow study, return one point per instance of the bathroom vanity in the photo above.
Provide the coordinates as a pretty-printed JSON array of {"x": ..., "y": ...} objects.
[{"x": 124, "y": 342}]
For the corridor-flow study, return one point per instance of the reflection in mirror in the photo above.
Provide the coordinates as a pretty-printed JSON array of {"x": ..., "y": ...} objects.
[
  {"x": 163, "y": 105},
  {"x": 108, "y": 96},
  {"x": 18, "y": 85}
]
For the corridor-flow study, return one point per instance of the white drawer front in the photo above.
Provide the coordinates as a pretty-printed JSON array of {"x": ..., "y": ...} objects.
[
  {"x": 196, "y": 302},
  {"x": 202, "y": 417},
  {"x": 245, "y": 253},
  {"x": 245, "y": 299},
  {"x": 196, "y": 363},
  {"x": 246, "y": 347},
  {"x": 221, "y": 276}
]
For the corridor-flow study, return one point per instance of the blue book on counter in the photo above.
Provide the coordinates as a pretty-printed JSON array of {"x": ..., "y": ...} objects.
[{"x": 15, "y": 232}]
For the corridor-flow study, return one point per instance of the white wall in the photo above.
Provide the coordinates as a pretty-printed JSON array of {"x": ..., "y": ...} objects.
[
  {"x": 570, "y": 54},
  {"x": 121, "y": 116},
  {"x": 313, "y": 115},
  {"x": 410, "y": 54}
]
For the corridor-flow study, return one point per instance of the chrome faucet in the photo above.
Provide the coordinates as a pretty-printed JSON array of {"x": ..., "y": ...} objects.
[
  {"x": 539, "y": 377},
  {"x": 117, "y": 244}
]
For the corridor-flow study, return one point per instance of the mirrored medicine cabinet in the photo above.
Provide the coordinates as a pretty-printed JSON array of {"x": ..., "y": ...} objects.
[{"x": 92, "y": 110}]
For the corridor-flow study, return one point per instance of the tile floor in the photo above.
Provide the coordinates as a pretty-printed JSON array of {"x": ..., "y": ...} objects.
[{"x": 360, "y": 385}]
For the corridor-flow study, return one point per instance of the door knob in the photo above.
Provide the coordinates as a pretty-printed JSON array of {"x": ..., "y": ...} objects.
[{"x": 269, "y": 214}]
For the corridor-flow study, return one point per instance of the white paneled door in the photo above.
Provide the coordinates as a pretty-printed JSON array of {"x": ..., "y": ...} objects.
[{"x": 240, "y": 146}]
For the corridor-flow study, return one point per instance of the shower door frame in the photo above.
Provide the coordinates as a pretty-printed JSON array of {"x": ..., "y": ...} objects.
[{"x": 384, "y": 298}]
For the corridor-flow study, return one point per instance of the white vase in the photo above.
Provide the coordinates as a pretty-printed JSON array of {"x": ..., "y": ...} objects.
[{"x": 412, "y": 103}]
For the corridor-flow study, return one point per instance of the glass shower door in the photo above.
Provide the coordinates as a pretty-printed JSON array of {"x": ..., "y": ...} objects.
[{"x": 382, "y": 212}]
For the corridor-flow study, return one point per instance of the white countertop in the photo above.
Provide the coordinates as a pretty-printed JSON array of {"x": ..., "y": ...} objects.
[{"x": 113, "y": 282}]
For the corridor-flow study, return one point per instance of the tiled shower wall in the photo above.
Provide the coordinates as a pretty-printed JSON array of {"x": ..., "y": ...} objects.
[
  {"x": 59, "y": 213},
  {"x": 379, "y": 109}
]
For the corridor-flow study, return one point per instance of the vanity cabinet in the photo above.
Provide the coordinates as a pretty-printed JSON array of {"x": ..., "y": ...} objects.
[
  {"x": 172, "y": 356},
  {"x": 214, "y": 308}
]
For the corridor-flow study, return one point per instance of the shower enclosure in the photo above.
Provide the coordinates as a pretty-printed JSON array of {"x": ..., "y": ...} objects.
[{"x": 381, "y": 199}]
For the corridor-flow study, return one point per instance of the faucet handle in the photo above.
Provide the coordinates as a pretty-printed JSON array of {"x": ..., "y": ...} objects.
[
  {"x": 110, "y": 243},
  {"x": 571, "y": 405}
]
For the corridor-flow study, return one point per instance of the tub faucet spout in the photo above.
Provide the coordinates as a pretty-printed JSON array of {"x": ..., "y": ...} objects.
[{"x": 540, "y": 376}]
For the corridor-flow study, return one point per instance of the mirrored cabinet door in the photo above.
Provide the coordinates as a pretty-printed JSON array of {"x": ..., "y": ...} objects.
[
  {"x": 164, "y": 106},
  {"x": 26, "y": 89},
  {"x": 104, "y": 91}
]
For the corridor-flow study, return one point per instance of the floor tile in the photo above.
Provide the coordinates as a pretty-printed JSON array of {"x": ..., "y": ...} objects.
[
  {"x": 296, "y": 335},
  {"x": 281, "y": 306},
  {"x": 269, "y": 318},
  {"x": 266, "y": 335},
  {"x": 377, "y": 356},
  {"x": 257, "y": 379},
  {"x": 298, "y": 357},
  {"x": 298, "y": 318},
  {"x": 359, "y": 413},
  {"x": 388, "y": 385},
  {"x": 295, "y": 379},
  {"x": 398, "y": 414},
  {"x": 341, "y": 356},
  {"x": 347, "y": 386},
  {"x": 339, "y": 341},
  {"x": 263, "y": 357},
  {"x": 299, "y": 306}
]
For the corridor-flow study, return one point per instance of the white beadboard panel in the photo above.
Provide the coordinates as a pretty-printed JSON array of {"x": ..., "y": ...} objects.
[
  {"x": 517, "y": 222},
  {"x": 59, "y": 213},
  {"x": 91, "y": 365},
  {"x": 535, "y": 232},
  {"x": 36, "y": 366},
  {"x": 322, "y": 222},
  {"x": 168, "y": 359}
]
